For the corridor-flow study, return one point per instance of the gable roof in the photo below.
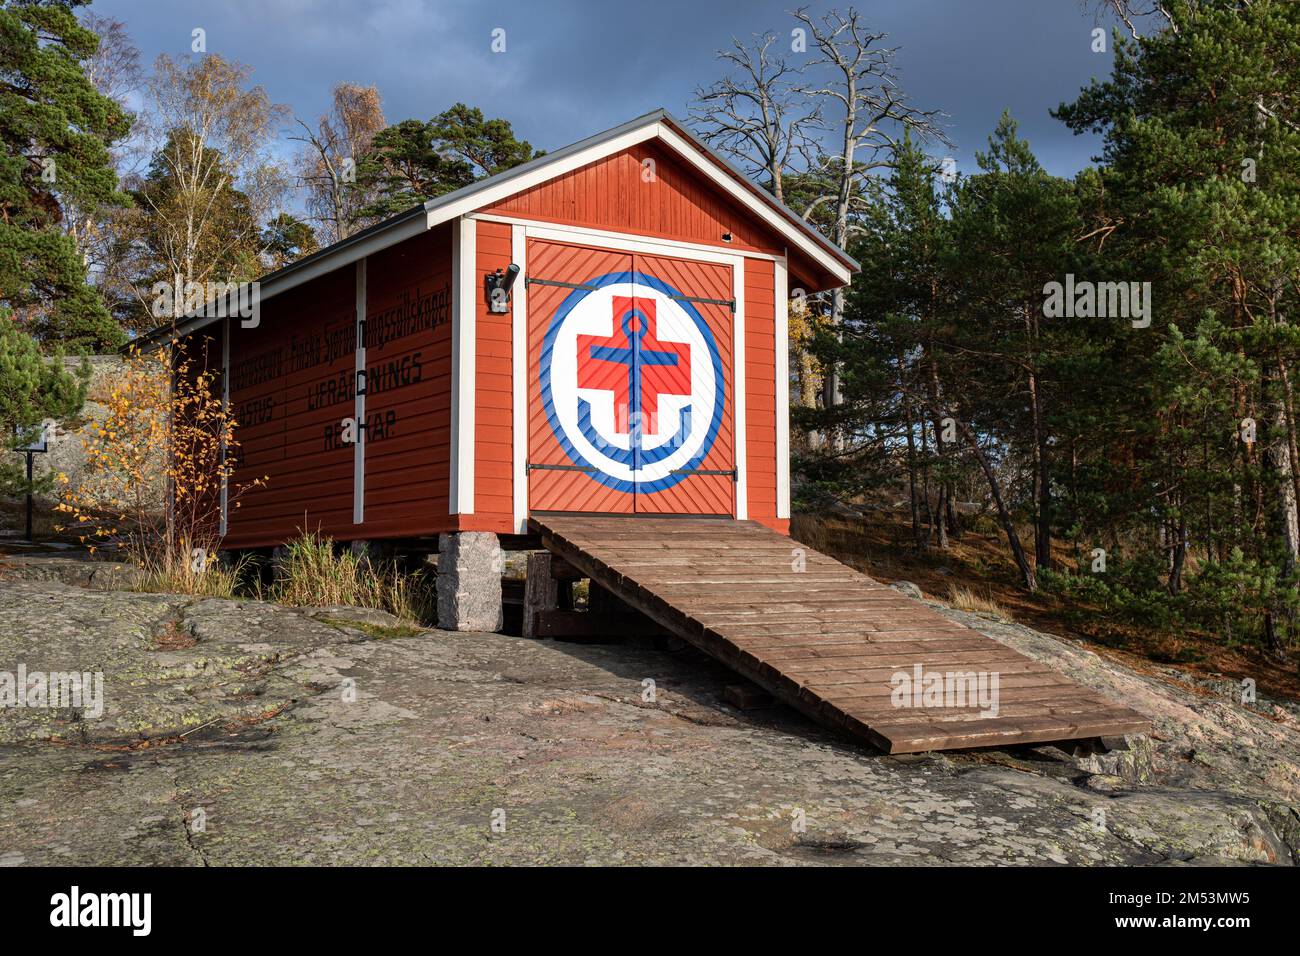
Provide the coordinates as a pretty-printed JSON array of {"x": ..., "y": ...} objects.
[{"x": 658, "y": 125}]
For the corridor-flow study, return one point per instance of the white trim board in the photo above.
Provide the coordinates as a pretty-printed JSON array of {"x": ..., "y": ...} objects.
[
  {"x": 225, "y": 409},
  {"x": 345, "y": 256},
  {"x": 359, "y": 409},
  {"x": 635, "y": 241},
  {"x": 782, "y": 298},
  {"x": 740, "y": 448},
  {"x": 464, "y": 329},
  {"x": 622, "y": 241},
  {"x": 519, "y": 378}
]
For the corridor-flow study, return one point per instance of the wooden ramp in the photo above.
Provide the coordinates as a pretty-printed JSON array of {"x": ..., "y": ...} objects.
[{"x": 824, "y": 638}]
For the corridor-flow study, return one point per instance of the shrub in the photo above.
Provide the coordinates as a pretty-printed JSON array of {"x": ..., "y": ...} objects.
[
  {"x": 985, "y": 524},
  {"x": 1233, "y": 597},
  {"x": 33, "y": 387},
  {"x": 1131, "y": 590},
  {"x": 1228, "y": 599},
  {"x": 155, "y": 469}
]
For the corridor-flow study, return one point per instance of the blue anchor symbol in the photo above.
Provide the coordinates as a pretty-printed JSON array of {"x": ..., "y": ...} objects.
[{"x": 634, "y": 357}]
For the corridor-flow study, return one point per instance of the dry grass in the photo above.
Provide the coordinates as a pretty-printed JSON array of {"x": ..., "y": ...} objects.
[
  {"x": 317, "y": 573},
  {"x": 170, "y": 638},
  {"x": 813, "y": 530},
  {"x": 181, "y": 577},
  {"x": 964, "y": 599},
  {"x": 44, "y": 525}
]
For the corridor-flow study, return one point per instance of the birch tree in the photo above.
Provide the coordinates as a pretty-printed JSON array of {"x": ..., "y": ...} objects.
[
  {"x": 333, "y": 150},
  {"x": 218, "y": 129}
]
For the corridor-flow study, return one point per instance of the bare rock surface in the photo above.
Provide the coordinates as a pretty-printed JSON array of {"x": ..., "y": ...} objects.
[
  {"x": 74, "y": 568},
  {"x": 246, "y": 733},
  {"x": 1205, "y": 737}
]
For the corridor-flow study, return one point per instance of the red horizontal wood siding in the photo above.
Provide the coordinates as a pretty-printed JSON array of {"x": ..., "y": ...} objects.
[
  {"x": 280, "y": 374},
  {"x": 293, "y": 381},
  {"x": 408, "y": 387},
  {"x": 760, "y": 390}
]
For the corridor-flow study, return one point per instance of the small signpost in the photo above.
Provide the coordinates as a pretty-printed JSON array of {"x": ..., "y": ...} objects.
[{"x": 37, "y": 443}]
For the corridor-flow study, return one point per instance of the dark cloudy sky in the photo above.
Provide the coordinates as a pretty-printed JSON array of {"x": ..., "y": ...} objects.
[{"x": 575, "y": 67}]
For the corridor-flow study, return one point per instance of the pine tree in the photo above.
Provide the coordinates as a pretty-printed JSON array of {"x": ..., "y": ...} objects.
[
  {"x": 1202, "y": 131},
  {"x": 1013, "y": 228},
  {"x": 414, "y": 160},
  {"x": 286, "y": 239},
  {"x": 55, "y": 129},
  {"x": 33, "y": 387}
]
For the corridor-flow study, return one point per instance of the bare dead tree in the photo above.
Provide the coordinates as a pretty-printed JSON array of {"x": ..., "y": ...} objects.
[
  {"x": 756, "y": 114},
  {"x": 333, "y": 150},
  {"x": 862, "y": 82},
  {"x": 1132, "y": 12}
]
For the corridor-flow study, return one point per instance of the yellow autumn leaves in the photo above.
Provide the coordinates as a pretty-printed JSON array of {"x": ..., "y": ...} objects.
[{"x": 158, "y": 461}]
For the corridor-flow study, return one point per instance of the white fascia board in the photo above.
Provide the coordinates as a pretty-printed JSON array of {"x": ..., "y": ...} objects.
[
  {"x": 340, "y": 258},
  {"x": 805, "y": 244},
  {"x": 679, "y": 145},
  {"x": 476, "y": 199}
]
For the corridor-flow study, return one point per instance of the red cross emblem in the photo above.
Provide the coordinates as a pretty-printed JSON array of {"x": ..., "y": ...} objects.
[{"x": 634, "y": 365}]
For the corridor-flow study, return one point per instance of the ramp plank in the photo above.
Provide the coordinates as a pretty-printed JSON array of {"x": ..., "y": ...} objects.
[{"x": 822, "y": 637}]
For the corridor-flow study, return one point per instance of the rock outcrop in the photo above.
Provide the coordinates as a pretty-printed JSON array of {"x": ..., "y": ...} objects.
[{"x": 342, "y": 737}]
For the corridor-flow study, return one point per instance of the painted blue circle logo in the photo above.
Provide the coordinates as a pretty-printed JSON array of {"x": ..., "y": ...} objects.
[{"x": 632, "y": 382}]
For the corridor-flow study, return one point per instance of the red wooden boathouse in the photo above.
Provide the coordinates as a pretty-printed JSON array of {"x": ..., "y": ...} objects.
[
  {"x": 591, "y": 350},
  {"x": 638, "y": 364}
]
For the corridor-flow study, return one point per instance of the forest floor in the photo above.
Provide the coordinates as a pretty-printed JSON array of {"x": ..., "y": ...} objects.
[{"x": 880, "y": 545}]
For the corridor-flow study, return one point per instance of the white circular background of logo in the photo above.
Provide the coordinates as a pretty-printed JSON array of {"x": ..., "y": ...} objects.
[{"x": 594, "y": 315}]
